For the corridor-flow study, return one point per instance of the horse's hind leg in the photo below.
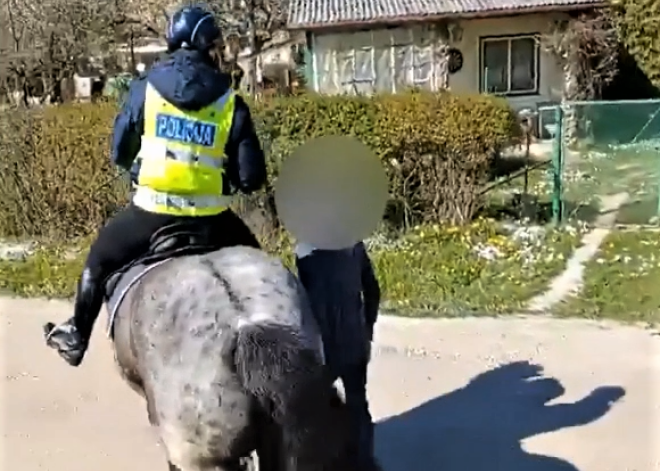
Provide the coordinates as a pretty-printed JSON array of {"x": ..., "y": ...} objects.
[
  {"x": 270, "y": 452},
  {"x": 249, "y": 463},
  {"x": 229, "y": 464},
  {"x": 224, "y": 466}
]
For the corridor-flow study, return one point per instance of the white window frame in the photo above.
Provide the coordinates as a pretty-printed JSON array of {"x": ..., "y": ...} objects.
[
  {"x": 342, "y": 83},
  {"x": 509, "y": 39},
  {"x": 416, "y": 63},
  {"x": 410, "y": 71}
]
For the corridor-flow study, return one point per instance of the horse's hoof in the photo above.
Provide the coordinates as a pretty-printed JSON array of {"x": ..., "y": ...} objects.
[{"x": 250, "y": 463}]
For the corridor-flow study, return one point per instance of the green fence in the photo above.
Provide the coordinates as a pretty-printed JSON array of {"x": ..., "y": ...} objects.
[{"x": 601, "y": 150}]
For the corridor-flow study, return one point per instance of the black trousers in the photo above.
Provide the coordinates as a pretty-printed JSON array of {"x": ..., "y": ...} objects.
[
  {"x": 354, "y": 379},
  {"x": 126, "y": 237}
]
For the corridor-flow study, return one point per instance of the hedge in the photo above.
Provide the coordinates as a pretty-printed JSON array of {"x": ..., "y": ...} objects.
[
  {"x": 638, "y": 22},
  {"x": 58, "y": 181},
  {"x": 438, "y": 148}
]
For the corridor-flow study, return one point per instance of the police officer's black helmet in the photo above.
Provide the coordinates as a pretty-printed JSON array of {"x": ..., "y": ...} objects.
[{"x": 192, "y": 27}]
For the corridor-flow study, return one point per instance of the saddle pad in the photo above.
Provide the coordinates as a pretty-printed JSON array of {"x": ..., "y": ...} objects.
[{"x": 126, "y": 282}]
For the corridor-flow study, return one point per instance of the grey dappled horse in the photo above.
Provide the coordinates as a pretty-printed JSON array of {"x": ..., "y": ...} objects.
[{"x": 225, "y": 351}]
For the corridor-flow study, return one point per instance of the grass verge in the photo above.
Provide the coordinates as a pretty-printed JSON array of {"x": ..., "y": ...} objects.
[
  {"x": 53, "y": 269},
  {"x": 633, "y": 169},
  {"x": 431, "y": 271},
  {"x": 479, "y": 269},
  {"x": 589, "y": 174},
  {"x": 622, "y": 281}
]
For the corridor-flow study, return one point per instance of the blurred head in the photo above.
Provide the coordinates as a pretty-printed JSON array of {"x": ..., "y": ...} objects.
[{"x": 194, "y": 28}]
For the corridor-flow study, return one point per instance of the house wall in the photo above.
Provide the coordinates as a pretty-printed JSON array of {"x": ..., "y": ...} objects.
[
  {"x": 550, "y": 70},
  {"x": 329, "y": 57},
  {"x": 374, "y": 56},
  {"x": 281, "y": 54}
]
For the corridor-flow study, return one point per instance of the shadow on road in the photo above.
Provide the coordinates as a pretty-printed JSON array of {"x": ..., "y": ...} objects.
[{"x": 480, "y": 427}]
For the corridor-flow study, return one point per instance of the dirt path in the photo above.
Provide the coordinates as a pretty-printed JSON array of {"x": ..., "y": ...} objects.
[{"x": 595, "y": 410}]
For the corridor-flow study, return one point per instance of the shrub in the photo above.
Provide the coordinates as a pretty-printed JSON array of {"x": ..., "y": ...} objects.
[
  {"x": 638, "y": 22},
  {"x": 58, "y": 181},
  {"x": 437, "y": 148}
]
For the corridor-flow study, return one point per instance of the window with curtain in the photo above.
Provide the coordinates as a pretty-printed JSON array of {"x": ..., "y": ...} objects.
[
  {"x": 413, "y": 66},
  {"x": 386, "y": 59},
  {"x": 354, "y": 63},
  {"x": 355, "y": 70},
  {"x": 422, "y": 66},
  {"x": 509, "y": 66}
]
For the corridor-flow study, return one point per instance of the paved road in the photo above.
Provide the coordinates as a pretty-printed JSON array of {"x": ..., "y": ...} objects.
[{"x": 449, "y": 395}]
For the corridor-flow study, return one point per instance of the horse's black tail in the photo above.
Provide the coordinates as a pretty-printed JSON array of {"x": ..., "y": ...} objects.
[
  {"x": 287, "y": 378},
  {"x": 285, "y": 375}
]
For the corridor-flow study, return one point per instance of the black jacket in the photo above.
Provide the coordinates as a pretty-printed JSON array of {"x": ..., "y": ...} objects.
[
  {"x": 344, "y": 294},
  {"x": 190, "y": 81}
]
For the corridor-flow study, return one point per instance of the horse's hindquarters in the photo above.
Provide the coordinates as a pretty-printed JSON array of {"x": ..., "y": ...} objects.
[{"x": 213, "y": 343}]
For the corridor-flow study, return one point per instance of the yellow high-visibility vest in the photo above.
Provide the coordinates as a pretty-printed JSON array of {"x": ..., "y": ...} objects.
[{"x": 183, "y": 157}]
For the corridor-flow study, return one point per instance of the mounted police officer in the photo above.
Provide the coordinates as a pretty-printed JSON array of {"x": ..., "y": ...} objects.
[{"x": 191, "y": 139}]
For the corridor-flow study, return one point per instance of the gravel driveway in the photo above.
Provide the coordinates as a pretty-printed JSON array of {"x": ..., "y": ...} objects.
[{"x": 471, "y": 394}]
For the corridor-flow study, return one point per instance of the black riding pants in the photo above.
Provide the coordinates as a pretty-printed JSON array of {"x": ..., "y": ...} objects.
[
  {"x": 354, "y": 379},
  {"x": 127, "y": 236}
]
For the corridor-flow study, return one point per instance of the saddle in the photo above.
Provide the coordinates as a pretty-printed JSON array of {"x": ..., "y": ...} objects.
[{"x": 176, "y": 240}]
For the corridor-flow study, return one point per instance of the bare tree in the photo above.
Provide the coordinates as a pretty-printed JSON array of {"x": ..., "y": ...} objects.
[
  {"x": 253, "y": 23},
  {"x": 49, "y": 39},
  {"x": 588, "y": 47},
  {"x": 145, "y": 18},
  {"x": 246, "y": 23},
  {"x": 46, "y": 42}
]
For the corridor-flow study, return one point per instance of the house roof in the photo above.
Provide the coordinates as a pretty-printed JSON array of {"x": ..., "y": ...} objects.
[{"x": 315, "y": 14}]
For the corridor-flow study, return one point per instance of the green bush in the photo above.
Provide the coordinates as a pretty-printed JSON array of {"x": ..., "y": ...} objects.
[
  {"x": 58, "y": 181},
  {"x": 638, "y": 23},
  {"x": 437, "y": 148}
]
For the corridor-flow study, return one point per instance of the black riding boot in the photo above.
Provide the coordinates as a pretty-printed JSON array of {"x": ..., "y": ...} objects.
[
  {"x": 71, "y": 339},
  {"x": 89, "y": 299}
]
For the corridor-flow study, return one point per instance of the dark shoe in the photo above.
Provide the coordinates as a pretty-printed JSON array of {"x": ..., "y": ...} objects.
[
  {"x": 71, "y": 339},
  {"x": 68, "y": 342}
]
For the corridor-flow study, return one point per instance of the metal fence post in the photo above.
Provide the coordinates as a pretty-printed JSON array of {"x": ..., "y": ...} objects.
[
  {"x": 557, "y": 168},
  {"x": 657, "y": 211}
]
